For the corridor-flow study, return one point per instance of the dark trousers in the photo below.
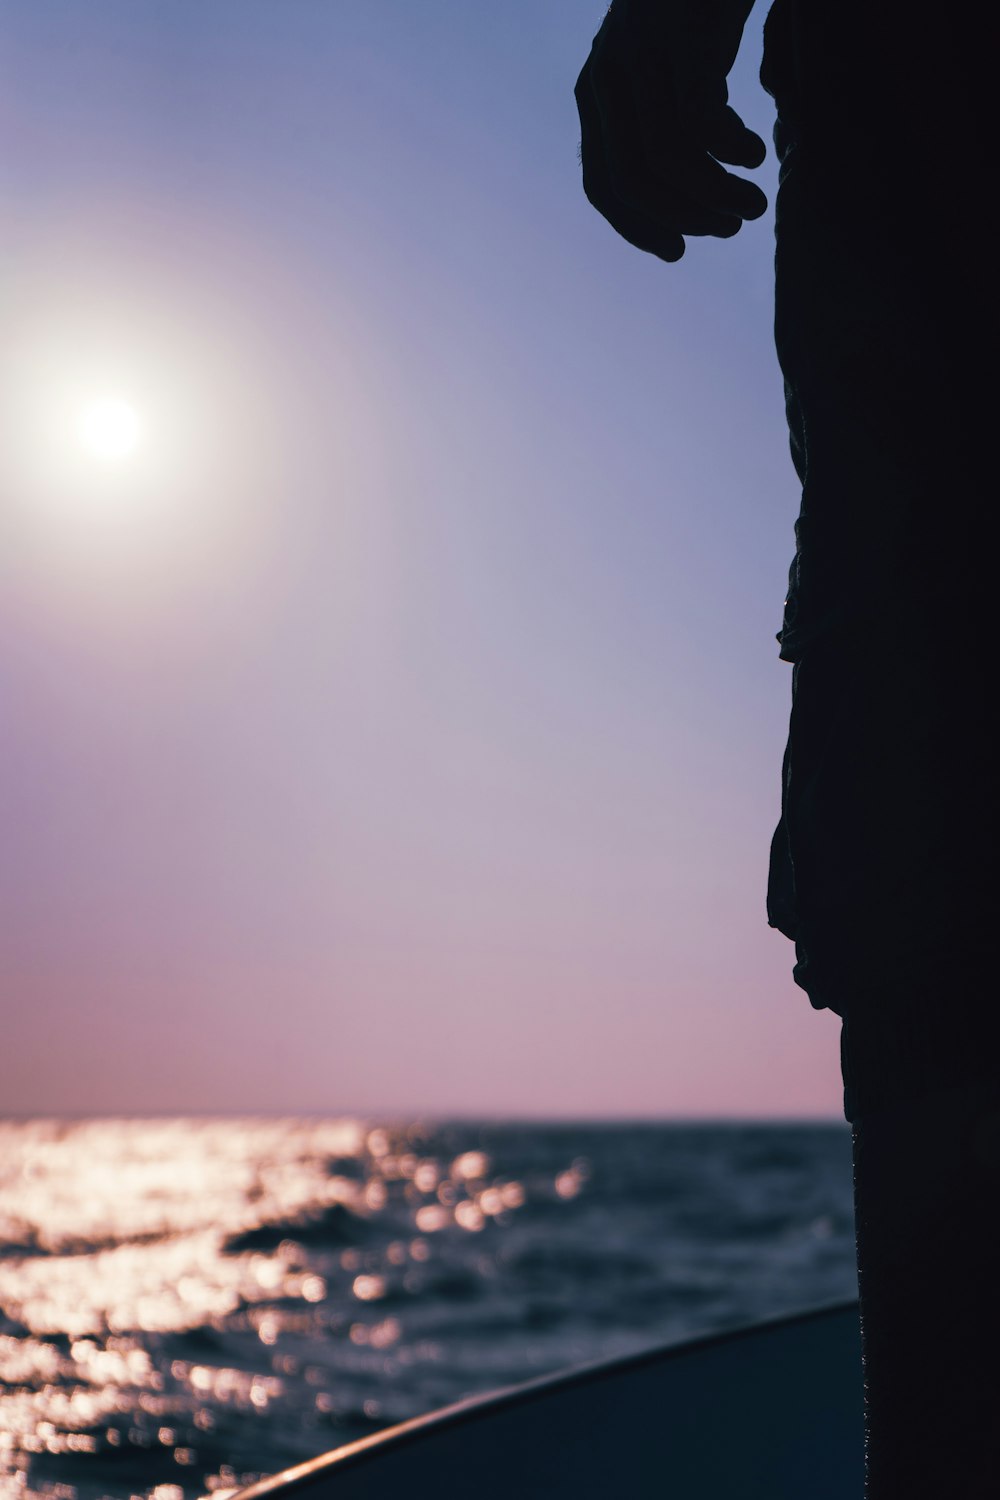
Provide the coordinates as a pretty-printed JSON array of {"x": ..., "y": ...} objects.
[{"x": 886, "y": 864}]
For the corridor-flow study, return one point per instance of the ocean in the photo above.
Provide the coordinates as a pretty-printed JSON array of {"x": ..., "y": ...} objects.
[{"x": 186, "y": 1305}]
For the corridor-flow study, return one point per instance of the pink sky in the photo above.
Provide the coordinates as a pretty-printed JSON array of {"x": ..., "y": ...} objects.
[{"x": 402, "y": 730}]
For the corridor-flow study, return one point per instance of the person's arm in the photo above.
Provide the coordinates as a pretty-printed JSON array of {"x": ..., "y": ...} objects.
[{"x": 656, "y": 123}]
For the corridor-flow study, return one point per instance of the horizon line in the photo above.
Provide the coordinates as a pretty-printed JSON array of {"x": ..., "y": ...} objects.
[{"x": 423, "y": 1116}]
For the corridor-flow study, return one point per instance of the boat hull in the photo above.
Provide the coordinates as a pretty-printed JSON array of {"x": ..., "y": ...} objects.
[{"x": 773, "y": 1411}]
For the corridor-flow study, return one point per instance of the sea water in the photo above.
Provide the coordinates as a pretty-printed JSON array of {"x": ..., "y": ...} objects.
[{"x": 186, "y": 1305}]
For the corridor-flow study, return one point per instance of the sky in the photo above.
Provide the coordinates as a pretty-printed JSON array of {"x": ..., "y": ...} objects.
[{"x": 393, "y": 720}]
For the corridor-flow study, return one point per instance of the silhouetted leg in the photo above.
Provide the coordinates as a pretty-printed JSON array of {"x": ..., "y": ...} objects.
[
  {"x": 886, "y": 868},
  {"x": 927, "y": 1195}
]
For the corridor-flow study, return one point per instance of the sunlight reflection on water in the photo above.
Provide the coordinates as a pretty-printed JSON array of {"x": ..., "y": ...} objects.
[{"x": 189, "y": 1303}]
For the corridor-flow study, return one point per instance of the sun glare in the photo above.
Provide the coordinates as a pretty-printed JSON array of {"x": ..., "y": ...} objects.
[
  {"x": 109, "y": 429},
  {"x": 141, "y": 450}
]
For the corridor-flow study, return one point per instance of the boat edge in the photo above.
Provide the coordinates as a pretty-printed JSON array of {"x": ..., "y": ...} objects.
[{"x": 402, "y": 1434}]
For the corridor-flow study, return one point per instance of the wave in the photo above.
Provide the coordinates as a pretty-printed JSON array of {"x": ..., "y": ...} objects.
[
  {"x": 334, "y": 1227},
  {"x": 28, "y": 1244}
]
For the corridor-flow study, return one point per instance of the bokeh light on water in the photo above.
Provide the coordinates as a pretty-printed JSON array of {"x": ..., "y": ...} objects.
[{"x": 185, "y": 1305}]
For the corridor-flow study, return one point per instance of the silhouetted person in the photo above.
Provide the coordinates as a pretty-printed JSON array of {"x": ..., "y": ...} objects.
[{"x": 885, "y": 867}]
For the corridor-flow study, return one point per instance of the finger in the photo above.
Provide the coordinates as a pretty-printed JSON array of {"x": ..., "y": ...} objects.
[
  {"x": 708, "y": 183},
  {"x": 729, "y": 140},
  {"x": 675, "y": 211},
  {"x": 657, "y": 217},
  {"x": 686, "y": 190}
]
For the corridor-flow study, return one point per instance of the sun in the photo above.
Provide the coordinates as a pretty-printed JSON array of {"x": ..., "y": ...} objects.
[{"x": 110, "y": 429}]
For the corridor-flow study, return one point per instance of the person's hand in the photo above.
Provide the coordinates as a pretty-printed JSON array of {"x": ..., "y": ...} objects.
[{"x": 656, "y": 123}]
